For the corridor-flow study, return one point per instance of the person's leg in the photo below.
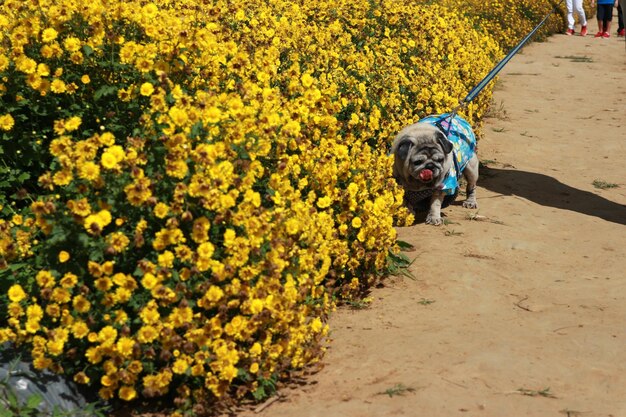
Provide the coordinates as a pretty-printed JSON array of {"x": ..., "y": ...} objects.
[
  {"x": 582, "y": 18},
  {"x": 570, "y": 15},
  {"x": 607, "y": 18},
  {"x": 600, "y": 24},
  {"x": 580, "y": 11}
]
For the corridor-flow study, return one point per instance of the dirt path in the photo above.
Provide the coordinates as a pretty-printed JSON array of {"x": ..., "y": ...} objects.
[{"x": 521, "y": 312}]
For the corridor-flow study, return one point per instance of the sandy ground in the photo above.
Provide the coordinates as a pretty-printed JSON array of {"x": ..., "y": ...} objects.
[{"x": 518, "y": 308}]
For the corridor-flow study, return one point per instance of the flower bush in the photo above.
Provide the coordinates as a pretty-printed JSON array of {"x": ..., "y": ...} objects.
[
  {"x": 191, "y": 184},
  {"x": 509, "y": 21}
]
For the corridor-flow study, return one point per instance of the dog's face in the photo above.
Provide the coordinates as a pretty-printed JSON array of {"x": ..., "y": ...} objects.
[{"x": 423, "y": 156}]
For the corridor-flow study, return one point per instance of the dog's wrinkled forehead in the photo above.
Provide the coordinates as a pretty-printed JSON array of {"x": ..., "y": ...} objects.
[
  {"x": 420, "y": 133},
  {"x": 420, "y": 136}
]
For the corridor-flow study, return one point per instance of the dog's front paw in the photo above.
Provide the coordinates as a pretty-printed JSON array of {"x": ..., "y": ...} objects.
[
  {"x": 434, "y": 220},
  {"x": 470, "y": 204}
]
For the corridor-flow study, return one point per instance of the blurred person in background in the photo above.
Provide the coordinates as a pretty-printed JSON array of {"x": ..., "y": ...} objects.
[
  {"x": 575, "y": 6},
  {"x": 604, "y": 14},
  {"x": 620, "y": 20}
]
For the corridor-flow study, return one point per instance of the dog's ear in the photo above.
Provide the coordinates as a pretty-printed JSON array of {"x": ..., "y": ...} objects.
[
  {"x": 446, "y": 145},
  {"x": 403, "y": 147}
]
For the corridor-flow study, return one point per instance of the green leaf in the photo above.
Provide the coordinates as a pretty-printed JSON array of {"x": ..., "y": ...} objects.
[
  {"x": 404, "y": 245},
  {"x": 34, "y": 401},
  {"x": 259, "y": 394},
  {"x": 105, "y": 90},
  {"x": 87, "y": 50},
  {"x": 12, "y": 399}
]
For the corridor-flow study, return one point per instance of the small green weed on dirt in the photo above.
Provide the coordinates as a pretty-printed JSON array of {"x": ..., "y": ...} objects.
[
  {"x": 359, "y": 304},
  {"x": 537, "y": 393},
  {"x": 575, "y": 58},
  {"x": 603, "y": 185},
  {"x": 398, "y": 389}
]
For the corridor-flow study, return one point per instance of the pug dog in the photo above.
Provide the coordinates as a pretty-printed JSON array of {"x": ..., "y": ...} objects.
[{"x": 429, "y": 158}]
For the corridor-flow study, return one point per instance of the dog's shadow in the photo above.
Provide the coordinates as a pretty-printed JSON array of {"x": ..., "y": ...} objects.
[{"x": 547, "y": 191}]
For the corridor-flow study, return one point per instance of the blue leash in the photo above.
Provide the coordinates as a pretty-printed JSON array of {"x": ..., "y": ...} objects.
[{"x": 472, "y": 94}]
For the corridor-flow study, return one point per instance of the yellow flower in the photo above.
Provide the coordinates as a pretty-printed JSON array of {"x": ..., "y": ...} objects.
[
  {"x": 161, "y": 210},
  {"x": 213, "y": 114},
  {"x": 106, "y": 139},
  {"x": 180, "y": 366},
  {"x": 72, "y": 123},
  {"x": 6, "y": 122},
  {"x": 118, "y": 241},
  {"x": 307, "y": 80},
  {"x": 93, "y": 354},
  {"x": 71, "y": 44},
  {"x": 43, "y": 70},
  {"x": 58, "y": 86},
  {"x": 81, "y": 304},
  {"x": 256, "y": 349},
  {"x": 85, "y": 79},
  {"x": 150, "y": 315},
  {"x": 89, "y": 171},
  {"x": 61, "y": 295},
  {"x": 150, "y": 10},
  {"x": 108, "y": 160},
  {"x": 166, "y": 259},
  {"x": 16, "y": 293},
  {"x": 324, "y": 202},
  {"x": 178, "y": 116},
  {"x": 127, "y": 393},
  {"x": 205, "y": 250},
  {"x": 256, "y": 306},
  {"x": 134, "y": 367},
  {"x": 79, "y": 207},
  {"x": 107, "y": 336},
  {"x": 146, "y": 89},
  {"x": 316, "y": 325},
  {"x": 214, "y": 294},
  {"x": 149, "y": 281},
  {"x": 48, "y": 35},
  {"x": 26, "y": 65},
  {"x": 15, "y": 309},
  {"x": 81, "y": 378},
  {"x": 45, "y": 279},
  {"x": 293, "y": 226},
  {"x": 69, "y": 280},
  {"x": 80, "y": 329},
  {"x": 356, "y": 222},
  {"x": 147, "y": 334},
  {"x": 94, "y": 223},
  {"x": 124, "y": 346},
  {"x": 64, "y": 256}
]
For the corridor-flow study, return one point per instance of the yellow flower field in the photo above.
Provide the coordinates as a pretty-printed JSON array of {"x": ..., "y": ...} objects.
[{"x": 192, "y": 184}]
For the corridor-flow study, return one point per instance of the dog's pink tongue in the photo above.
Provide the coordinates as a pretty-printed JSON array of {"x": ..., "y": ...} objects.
[{"x": 426, "y": 175}]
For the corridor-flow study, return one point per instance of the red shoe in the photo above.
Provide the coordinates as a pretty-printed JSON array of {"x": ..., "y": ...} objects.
[
  {"x": 621, "y": 32},
  {"x": 569, "y": 32},
  {"x": 598, "y": 35},
  {"x": 606, "y": 35},
  {"x": 583, "y": 31}
]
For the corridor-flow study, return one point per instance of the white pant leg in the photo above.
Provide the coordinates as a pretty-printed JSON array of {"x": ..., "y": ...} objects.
[
  {"x": 570, "y": 13},
  {"x": 578, "y": 9}
]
